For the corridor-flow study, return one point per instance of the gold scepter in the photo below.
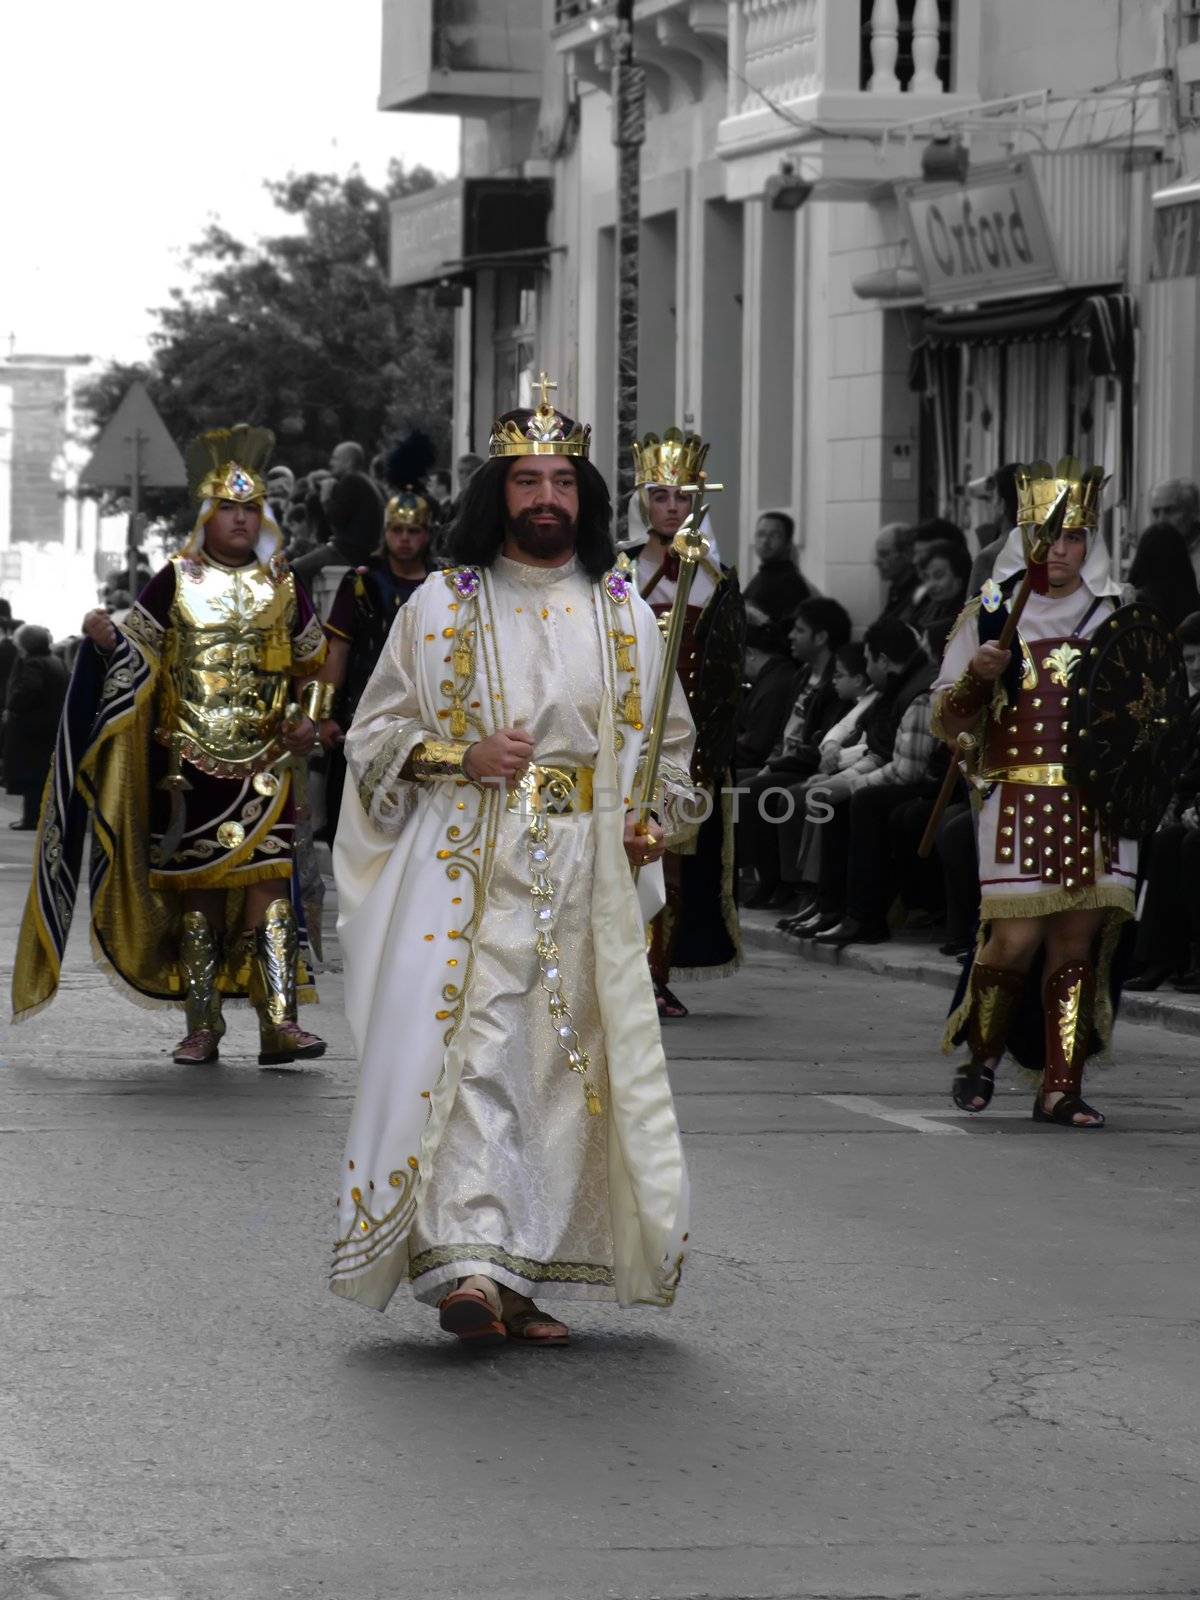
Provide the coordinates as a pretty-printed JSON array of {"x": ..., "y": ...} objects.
[
  {"x": 690, "y": 545},
  {"x": 964, "y": 745}
]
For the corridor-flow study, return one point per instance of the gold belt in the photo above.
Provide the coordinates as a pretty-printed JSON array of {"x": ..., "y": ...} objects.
[
  {"x": 556, "y": 790},
  {"x": 1048, "y": 777}
]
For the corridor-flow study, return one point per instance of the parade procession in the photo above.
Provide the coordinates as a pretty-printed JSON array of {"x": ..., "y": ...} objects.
[{"x": 600, "y": 669}]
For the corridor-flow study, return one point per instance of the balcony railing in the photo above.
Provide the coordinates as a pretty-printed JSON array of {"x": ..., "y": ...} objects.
[{"x": 791, "y": 49}]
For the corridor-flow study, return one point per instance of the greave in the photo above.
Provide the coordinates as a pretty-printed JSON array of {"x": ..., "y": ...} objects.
[
  {"x": 1069, "y": 998},
  {"x": 277, "y": 950},
  {"x": 198, "y": 958},
  {"x": 994, "y": 993}
]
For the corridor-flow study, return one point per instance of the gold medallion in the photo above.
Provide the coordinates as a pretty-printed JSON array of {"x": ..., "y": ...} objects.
[
  {"x": 230, "y": 835},
  {"x": 266, "y": 783}
]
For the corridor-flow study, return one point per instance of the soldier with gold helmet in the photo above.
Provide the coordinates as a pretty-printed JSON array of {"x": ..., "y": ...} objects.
[
  {"x": 1057, "y": 877},
  {"x": 697, "y": 934},
  {"x": 359, "y": 620},
  {"x": 176, "y": 738}
]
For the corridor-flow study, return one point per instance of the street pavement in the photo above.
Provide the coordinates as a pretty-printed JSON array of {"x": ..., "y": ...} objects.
[{"x": 913, "y": 1355}]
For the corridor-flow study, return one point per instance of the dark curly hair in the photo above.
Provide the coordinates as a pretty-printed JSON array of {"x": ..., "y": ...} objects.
[{"x": 475, "y": 536}]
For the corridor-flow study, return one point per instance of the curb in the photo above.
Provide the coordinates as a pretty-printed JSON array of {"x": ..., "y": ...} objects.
[{"x": 922, "y": 964}]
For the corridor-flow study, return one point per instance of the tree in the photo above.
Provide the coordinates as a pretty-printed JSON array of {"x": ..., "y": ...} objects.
[{"x": 299, "y": 332}]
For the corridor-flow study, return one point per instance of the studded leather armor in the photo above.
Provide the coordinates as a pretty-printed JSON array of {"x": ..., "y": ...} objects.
[{"x": 1047, "y": 825}]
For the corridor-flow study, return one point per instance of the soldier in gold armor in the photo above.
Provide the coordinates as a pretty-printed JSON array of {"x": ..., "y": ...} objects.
[
  {"x": 180, "y": 727},
  {"x": 1056, "y": 883}
]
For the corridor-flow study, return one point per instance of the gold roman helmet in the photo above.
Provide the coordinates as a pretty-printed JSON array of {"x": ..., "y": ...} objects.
[
  {"x": 675, "y": 461},
  {"x": 1039, "y": 486},
  {"x": 407, "y": 510},
  {"x": 541, "y": 432},
  {"x": 230, "y": 464}
]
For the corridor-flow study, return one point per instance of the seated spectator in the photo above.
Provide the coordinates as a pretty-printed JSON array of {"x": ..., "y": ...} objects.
[
  {"x": 945, "y": 569},
  {"x": 1168, "y": 940},
  {"x": 842, "y": 746},
  {"x": 850, "y": 899},
  {"x": 37, "y": 687},
  {"x": 894, "y": 564},
  {"x": 777, "y": 589},
  {"x": 1161, "y": 573},
  {"x": 937, "y": 530},
  {"x": 846, "y": 742},
  {"x": 770, "y": 682},
  {"x": 1003, "y": 483},
  {"x": 820, "y": 628},
  {"x": 1177, "y": 501}
]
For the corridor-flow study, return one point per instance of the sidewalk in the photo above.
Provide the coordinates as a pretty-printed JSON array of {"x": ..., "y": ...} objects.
[{"x": 915, "y": 956}]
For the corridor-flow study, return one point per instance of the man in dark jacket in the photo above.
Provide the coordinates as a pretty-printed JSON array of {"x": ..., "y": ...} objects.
[
  {"x": 777, "y": 589},
  {"x": 894, "y": 564},
  {"x": 821, "y": 627},
  {"x": 771, "y": 680}
]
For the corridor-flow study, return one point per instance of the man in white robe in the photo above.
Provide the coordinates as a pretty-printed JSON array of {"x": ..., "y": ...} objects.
[{"x": 514, "y": 1131}]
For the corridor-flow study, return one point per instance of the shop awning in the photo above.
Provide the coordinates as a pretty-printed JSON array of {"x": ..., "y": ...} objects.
[{"x": 1103, "y": 320}]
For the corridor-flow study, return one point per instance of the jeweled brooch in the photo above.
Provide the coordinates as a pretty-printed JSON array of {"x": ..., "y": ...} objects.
[
  {"x": 465, "y": 583},
  {"x": 617, "y": 587}
]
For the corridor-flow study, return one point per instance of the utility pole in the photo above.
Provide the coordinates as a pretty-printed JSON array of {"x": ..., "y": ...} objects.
[
  {"x": 629, "y": 134},
  {"x": 136, "y": 441}
]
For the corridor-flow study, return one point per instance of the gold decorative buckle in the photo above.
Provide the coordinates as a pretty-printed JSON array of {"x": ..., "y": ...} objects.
[
  {"x": 558, "y": 791},
  {"x": 1052, "y": 776}
]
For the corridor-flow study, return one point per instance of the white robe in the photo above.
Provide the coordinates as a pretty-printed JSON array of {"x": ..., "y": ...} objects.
[{"x": 471, "y": 1148}]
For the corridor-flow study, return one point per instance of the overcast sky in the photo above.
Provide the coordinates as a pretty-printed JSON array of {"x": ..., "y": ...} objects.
[{"x": 126, "y": 124}]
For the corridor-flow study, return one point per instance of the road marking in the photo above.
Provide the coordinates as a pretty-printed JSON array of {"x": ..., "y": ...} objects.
[{"x": 867, "y": 1107}]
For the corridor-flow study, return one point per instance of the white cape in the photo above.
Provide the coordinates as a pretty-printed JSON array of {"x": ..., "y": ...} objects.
[{"x": 413, "y": 866}]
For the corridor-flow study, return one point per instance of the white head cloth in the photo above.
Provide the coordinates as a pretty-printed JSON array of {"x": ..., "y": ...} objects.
[
  {"x": 664, "y": 590},
  {"x": 1096, "y": 572},
  {"x": 268, "y": 544}
]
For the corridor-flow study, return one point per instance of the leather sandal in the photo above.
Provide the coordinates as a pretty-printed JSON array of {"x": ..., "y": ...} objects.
[
  {"x": 470, "y": 1315},
  {"x": 974, "y": 1080},
  {"x": 669, "y": 1005},
  {"x": 1066, "y": 1110},
  {"x": 523, "y": 1325}
]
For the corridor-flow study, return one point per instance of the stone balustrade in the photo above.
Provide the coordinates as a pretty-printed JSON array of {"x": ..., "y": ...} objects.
[{"x": 791, "y": 50}]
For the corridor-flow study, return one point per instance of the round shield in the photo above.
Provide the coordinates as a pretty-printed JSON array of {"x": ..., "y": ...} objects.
[{"x": 1128, "y": 718}]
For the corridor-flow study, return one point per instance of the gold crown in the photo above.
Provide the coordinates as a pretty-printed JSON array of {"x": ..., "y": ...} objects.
[
  {"x": 407, "y": 510},
  {"x": 1039, "y": 486},
  {"x": 676, "y": 460},
  {"x": 229, "y": 463},
  {"x": 542, "y": 432}
]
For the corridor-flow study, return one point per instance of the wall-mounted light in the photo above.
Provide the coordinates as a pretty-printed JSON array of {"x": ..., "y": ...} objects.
[
  {"x": 786, "y": 190},
  {"x": 945, "y": 159}
]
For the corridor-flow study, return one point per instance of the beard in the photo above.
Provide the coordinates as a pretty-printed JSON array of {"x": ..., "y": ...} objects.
[{"x": 542, "y": 542}]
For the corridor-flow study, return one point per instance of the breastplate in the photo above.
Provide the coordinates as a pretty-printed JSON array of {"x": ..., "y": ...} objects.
[
  {"x": 227, "y": 667},
  {"x": 1033, "y": 733}
]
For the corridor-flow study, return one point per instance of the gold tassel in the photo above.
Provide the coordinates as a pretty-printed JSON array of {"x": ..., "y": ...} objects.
[
  {"x": 458, "y": 720},
  {"x": 593, "y": 1100},
  {"x": 461, "y": 656},
  {"x": 624, "y": 657},
  {"x": 631, "y": 705}
]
